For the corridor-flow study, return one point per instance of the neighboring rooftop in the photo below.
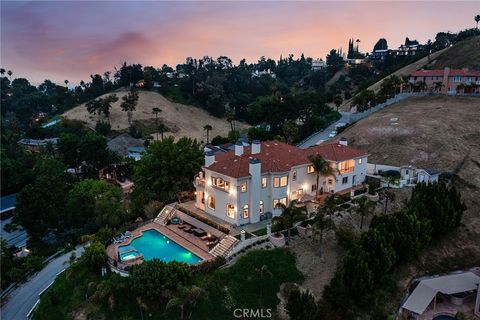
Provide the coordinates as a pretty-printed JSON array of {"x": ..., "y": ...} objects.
[
  {"x": 121, "y": 143},
  {"x": 8, "y": 203},
  {"x": 37, "y": 142},
  {"x": 450, "y": 284},
  {"x": 277, "y": 156}
]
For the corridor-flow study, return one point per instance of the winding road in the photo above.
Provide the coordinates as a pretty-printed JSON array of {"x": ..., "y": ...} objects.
[{"x": 22, "y": 299}]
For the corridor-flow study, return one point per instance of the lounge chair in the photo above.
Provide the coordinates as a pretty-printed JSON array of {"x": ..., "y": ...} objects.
[
  {"x": 128, "y": 234},
  {"x": 182, "y": 226},
  {"x": 199, "y": 232}
]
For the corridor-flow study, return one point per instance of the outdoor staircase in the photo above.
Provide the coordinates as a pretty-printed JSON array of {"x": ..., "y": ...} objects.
[
  {"x": 224, "y": 246},
  {"x": 164, "y": 215}
]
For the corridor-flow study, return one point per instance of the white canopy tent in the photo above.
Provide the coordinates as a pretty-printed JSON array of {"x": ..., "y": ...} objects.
[{"x": 427, "y": 289}]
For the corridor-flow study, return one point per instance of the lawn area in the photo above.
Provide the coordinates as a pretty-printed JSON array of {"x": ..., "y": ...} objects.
[{"x": 80, "y": 293}]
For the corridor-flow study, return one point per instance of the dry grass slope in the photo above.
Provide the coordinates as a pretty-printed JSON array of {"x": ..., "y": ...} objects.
[
  {"x": 432, "y": 132},
  {"x": 182, "y": 120}
]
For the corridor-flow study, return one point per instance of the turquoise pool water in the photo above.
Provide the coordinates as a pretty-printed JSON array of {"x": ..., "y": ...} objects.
[{"x": 153, "y": 244}]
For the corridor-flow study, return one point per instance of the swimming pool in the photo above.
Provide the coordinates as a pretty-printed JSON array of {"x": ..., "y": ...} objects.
[{"x": 153, "y": 244}]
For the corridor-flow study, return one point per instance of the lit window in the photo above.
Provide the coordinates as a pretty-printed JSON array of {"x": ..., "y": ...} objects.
[
  {"x": 276, "y": 202},
  {"x": 344, "y": 180},
  {"x": 359, "y": 161},
  {"x": 294, "y": 175},
  {"x": 221, "y": 184},
  {"x": 211, "y": 202},
  {"x": 230, "y": 211},
  {"x": 280, "y": 182},
  {"x": 346, "y": 166},
  {"x": 260, "y": 207},
  {"x": 245, "y": 211},
  {"x": 264, "y": 182},
  {"x": 310, "y": 169},
  {"x": 243, "y": 186}
]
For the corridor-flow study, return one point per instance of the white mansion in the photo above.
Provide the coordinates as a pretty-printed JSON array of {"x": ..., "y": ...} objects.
[{"x": 244, "y": 185}]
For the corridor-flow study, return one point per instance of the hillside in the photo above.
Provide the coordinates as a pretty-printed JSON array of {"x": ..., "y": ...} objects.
[
  {"x": 182, "y": 120},
  {"x": 465, "y": 54},
  {"x": 432, "y": 132}
]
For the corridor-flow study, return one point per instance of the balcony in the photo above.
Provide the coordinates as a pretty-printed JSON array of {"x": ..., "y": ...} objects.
[{"x": 198, "y": 182}]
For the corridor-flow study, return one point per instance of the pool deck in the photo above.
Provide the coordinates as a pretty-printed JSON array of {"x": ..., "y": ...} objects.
[{"x": 197, "y": 247}]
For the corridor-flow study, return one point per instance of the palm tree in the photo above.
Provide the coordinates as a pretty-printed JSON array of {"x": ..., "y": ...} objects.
[
  {"x": 230, "y": 115},
  {"x": 364, "y": 207},
  {"x": 162, "y": 128},
  {"x": 477, "y": 19},
  {"x": 321, "y": 224},
  {"x": 184, "y": 296},
  {"x": 290, "y": 214},
  {"x": 9, "y": 72},
  {"x": 208, "y": 128},
  {"x": 322, "y": 167},
  {"x": 388, "y": 196},
  {"x": 156, "y": 111},
  {"x": 2, "y": 71},
  {"x": 66, "y": 83}
]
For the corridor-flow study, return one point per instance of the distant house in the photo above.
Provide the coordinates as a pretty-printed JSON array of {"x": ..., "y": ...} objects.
[
  {"x": 318, "y": 64},
  {"x": 444, "y": 296},
  {"x": 121, "y": 144},
  {"x": 37, "y": 145},
  {"x": 410, "y": 48},
  {"x": 448, "y": 80},
  {"x": 427, "y": 175},
  {"x": 258, "y": 74},
  {"x": 136, "y": 152}
]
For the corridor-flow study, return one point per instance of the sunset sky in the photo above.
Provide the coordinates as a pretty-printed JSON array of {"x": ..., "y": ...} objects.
[{"x": 71, "y": 40}]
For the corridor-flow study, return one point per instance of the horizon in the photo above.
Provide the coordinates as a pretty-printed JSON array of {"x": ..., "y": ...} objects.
[{"x": 54, "y": 40}]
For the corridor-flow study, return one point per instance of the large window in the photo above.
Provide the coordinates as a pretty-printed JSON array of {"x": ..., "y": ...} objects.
[
  {"x": 310, "y": 169},
  {"x": 246, "y": 212},
  {"x": 277, "y": 201},
  {"x": 243, "y": 186},
  {"x": 211, "y": 202},
  {"x": 280, "y": 181},
  {"x": 264, "y": 182},
  {"x": 230, "y": 211},
  {"x": 220, "y": 183},
  {"x": 344, "y": 180},
  {"x": 346, "y": 166}
]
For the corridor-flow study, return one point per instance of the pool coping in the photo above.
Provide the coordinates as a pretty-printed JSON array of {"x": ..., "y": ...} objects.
[{"x": 112, "y": 249}]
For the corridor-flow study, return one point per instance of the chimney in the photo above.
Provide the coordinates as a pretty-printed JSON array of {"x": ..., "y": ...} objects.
[
  {"x": 256, "y": 147},
  {"x": 238, "y": 148},
  {"x": 255, "y": 170},
  {"x": 343, "y": 141},
  {"x": 209, "y": 158}
]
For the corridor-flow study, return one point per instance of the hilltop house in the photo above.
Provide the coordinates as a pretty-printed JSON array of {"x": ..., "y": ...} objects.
[
  {"x": 318, "y": 64},
  {"x": 448, "y": 80},
  {"x": 245, "y": 185}
]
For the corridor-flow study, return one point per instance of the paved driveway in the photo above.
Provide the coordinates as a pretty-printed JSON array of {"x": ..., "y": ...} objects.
[
  {"x": 323, "y": 135},
  {"x": 22, "y": 299}
]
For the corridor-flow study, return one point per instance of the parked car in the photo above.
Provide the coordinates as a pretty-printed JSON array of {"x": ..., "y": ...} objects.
[
  {"x": 340, "y": 125},
  {"x": 332, "y": 134}
]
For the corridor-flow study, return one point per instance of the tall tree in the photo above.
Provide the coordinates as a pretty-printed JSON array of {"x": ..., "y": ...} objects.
[
  {"x": 322, "y": 168},
  {"x": 363, "y": 207},
  {"x": 184, "y": 296},
  {"x": 290, "y": 214},
  {"x": 156, "y": 111},
  {"x": 208, "y": 128},
  {"x": 321, "y": 224},
  {"x": 130, "y": 103},
  {"x": 477, "y": 19}
]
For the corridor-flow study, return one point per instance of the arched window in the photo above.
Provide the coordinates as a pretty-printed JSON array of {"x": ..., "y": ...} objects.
[
  {"x": 246, "y": 213},
  {"x": 211, "y": 202},
  {"x": 261, "y": 207}
]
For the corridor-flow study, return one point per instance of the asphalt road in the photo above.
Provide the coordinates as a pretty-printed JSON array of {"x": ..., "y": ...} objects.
[
  {"x": 323, "y": 135},
  {"x": 23, "y": 298}
]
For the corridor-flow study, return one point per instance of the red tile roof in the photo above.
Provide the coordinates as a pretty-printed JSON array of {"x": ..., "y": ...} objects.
[
  {"x": 277, "y": 156},
  {"x": 439, "y": 73}
]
